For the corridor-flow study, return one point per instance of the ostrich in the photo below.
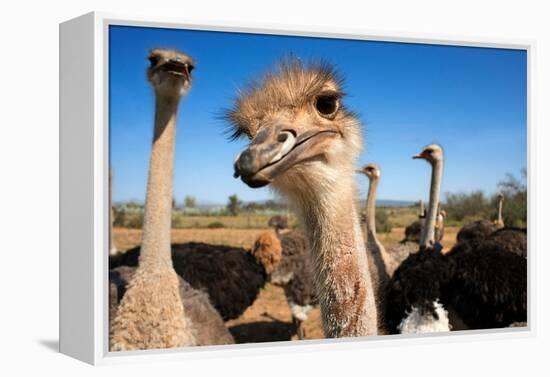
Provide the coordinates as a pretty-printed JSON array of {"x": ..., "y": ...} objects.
[
  {"x": 231, "y": 276},
  {"x": 151, "y": 313},
  {"x": 279, "y": 223},
  {"x": 499, "y": 222},
  {"x": 482, "y": 231},
  {"x": 490, "y": 264},
  {"x": 294, "y": 273},
  {"x": 488, "y": 286},
  {"x": 206, "y": 324},
  {"x": 475, "y": 232},
  {"x": 473, "y": 286},
  {"x": 388, "y": 260},
  {"x": 412, "y": 298},
  {"x": 433, "y": 153},
  {"x": 305, "y": 143},
  {"x": 440, "y": 224},
  {"x": 509, "y": 239},
  {"x": 381, "y": 263}
]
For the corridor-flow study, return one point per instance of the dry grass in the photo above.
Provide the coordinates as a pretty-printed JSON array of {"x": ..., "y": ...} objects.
[
  {"x": 397, "y": 234},
  {"x": 400, "y": 217},
  {"x": 269, "y": 318},
  {"x": 126, "y": 238},
  {"x": 242, "y": 221}
]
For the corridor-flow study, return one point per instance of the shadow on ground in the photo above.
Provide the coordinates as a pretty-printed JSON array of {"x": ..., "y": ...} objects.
[
  {"x": 257, "y": 332},
  {"x": 52, "y": 345}
]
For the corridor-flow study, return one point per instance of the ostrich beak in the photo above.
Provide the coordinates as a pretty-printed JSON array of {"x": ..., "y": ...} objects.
[
  {"x": 420, "y": 155},
  {"x": 176, "y": 67},
  {"x": 276, "y": 149}
]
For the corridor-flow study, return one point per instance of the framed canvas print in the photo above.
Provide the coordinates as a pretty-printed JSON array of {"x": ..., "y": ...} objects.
[{"x": 227, "y": 189}]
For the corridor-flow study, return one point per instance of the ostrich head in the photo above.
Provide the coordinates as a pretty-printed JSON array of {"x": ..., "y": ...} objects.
[
  {"x": 302, "y": 136},
  {"x": 370, "y": 170},
  {"x": 432, "y": 153},
  {"x": 169, "y": 72},
  {"x": 267, "y": 251},
  {"x": 278, "y": 222},
  {"x": 500, "y": 196}
]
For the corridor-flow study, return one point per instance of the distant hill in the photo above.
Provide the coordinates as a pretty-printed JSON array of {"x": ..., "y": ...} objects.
[
  {"x": 206, "y": 205},
  {"x": 390, "y": 203},
  {"x": 394, "y": 203},
  {"x": 379, "y": 203}
]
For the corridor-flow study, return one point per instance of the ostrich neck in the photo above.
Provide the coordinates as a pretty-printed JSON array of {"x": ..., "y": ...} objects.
[
  {"x": 500, "y": 211},
  {"x": 378, "y": 258},
  {"x": 155, "y": 247},
  {"x": 428, "y": 234},
  {"x": 371, "y": 208},
  {"x": 376, "y": 254},
  {"x": 340, "y": 261}
]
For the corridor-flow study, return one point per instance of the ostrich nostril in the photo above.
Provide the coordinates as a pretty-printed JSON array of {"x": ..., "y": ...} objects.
[{"x": 246, "y": 163}]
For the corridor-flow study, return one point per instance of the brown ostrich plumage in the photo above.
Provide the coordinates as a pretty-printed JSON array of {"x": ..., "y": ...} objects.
[
  {"x": 305, "y": 142},
  {"x": 205, "y": 322}
]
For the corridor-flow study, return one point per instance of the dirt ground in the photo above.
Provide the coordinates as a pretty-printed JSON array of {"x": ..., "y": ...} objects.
[{"x": 269, "y": 318}]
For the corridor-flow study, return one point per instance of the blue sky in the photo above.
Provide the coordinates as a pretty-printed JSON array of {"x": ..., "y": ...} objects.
[{"x": 470, "y": 100}]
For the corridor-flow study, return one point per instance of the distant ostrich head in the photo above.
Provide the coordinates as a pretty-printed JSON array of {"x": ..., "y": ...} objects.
[
  {"x": 302, "y": 136},
  {"x": 170, "y": 72},
  {"x": 500, "y": 196},
  {"x": 431, "y": 153},
  {"x": 370, "y": 170},
  {"x": 278, "y": 222},
  {"x": 268, "y": 251}
]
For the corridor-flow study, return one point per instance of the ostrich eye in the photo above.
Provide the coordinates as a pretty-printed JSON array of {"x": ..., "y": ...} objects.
[
  {"x": 327, "y": 105},
  {"x": 154, "y": 59}
]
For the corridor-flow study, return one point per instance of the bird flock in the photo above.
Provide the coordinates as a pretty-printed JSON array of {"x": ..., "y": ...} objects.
[{"x": 304, "y": 144}]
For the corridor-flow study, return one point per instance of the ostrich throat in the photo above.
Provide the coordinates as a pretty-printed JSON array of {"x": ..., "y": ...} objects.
[
  {"x": 155, "y": 248},
  {"x": 378, "y": 258},
  {"x": 340, "y": 262},
  {"x": 428, "y": 232}
]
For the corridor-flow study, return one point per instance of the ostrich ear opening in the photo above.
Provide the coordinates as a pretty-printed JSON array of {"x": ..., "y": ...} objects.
[{"x": 267, "y": 251}]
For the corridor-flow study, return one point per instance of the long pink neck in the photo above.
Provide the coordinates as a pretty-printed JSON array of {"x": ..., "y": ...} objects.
[{"x": 155, "y": 247}]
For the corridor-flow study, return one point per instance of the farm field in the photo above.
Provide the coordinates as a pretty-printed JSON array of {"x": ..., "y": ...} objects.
[{"x": 269, "y": 318}]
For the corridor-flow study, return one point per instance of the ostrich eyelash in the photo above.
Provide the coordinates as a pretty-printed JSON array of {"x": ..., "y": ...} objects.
[{"x": 234, "y": 133}]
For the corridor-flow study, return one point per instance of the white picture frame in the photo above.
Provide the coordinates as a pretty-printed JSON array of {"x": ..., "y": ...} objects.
[{"x": 84, "y": 191}]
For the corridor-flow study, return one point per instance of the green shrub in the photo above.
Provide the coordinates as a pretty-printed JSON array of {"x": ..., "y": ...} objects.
[
  {"x": 466, "y": 207},
  {"x": 383, "y": 224},
  {"x": 216, "y": 225},
  {"x": 127, "y": 217}
]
